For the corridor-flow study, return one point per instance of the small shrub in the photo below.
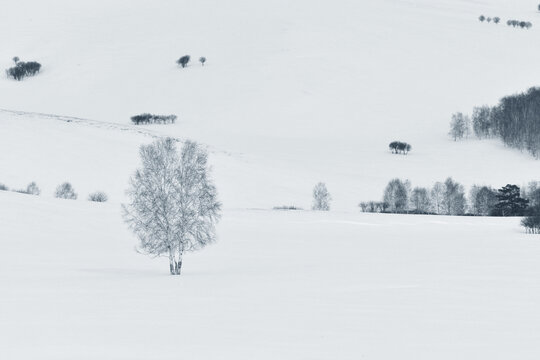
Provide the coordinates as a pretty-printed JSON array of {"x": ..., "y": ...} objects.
[
  {"x": 3, "y": 187},
  {"x": 488, "y": 19},
  {"x": 287, "y": 207},
  {"x": 98, "y": 196},
  {"x": 482, "y": 18},
  {"x": 202, "y": 60},
  {"x": 183, "y": 61},
  {"x": 65, "y": 191},
  {"x": 33, "y": 189},
  {"x": 496, "y": 19},
  {"x": 15, "y": 59}
]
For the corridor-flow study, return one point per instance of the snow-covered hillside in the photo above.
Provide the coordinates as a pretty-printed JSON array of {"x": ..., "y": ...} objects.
[
  {"x": 295, "y": 92},
  {"x": 287, "y": 285}
]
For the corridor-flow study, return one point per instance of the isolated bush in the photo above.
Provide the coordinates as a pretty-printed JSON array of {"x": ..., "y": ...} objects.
[
  {"x": 23, "y": 69},
  {"x": 98, "y": 196},
  {"x": 488, "y": 19},
  {"x": 183, "y": 61},
  {"x": 33, "y": 189},
  {"x": 321, "y": 197},
  {"x": 3, "y": 187},
  {"x": 496, "y": 19},
  {"x": 153, "y": 119},
  {"x": 65, "y": 191},
  {"x": 482, "y": 18},
  {"x": 202, "y": 60},
  {"x": 532, "y": 221}
]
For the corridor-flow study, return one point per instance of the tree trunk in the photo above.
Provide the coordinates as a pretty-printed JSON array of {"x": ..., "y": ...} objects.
[
  {"x": 178, "y": 262},
  {"x": 172, "y": 263}
]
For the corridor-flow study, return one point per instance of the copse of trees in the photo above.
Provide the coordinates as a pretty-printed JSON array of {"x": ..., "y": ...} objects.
[
  {"x": 399, "y": 147},
  {"x": 518, "y": 23},
  {"x": 23, "y": 69},
  {"x": 515, "y": 120},
  {"x": 153, "y": 119}
]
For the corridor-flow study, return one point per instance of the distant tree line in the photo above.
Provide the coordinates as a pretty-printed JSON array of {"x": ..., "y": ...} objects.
[
  {"x": 449, "y": 198},
  {"x": 515, "y": 120},
  {"x": 399, "y": 147},
  {"x": 23, "y": 69},
  {"x": 153, "y": 119}
]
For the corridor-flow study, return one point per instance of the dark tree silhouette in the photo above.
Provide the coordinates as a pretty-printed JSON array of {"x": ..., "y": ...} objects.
[
  {"x": 510, "y": 203},
  {"x": 183, "y": 61}
]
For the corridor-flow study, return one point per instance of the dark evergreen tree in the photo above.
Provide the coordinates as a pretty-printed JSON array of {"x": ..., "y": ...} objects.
[{"x": 510, "y": 202}]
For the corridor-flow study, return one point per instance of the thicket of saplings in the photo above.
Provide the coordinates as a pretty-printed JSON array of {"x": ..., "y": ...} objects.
[
  {"x": 449, "y": 198},
  {"x": 515, "y": 120},
  {"x": 63, "y": 191},
  {"x": 399, "y": 147},
  {"x": 23, "y": 69},
  {"x": 153, "y": 119}
]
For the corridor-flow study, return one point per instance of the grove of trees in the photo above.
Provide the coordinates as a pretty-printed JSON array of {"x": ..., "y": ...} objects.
[
  {"x": 23, "y": 69},
  {"x": 399, "y": 147},
  {"x": 153, "y": 119},
  {"x": 515, "y": 120}
]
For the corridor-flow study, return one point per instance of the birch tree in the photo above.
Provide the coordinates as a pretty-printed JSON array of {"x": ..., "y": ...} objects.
[
  {"x": 321, "y": 197},
  {"x": 173, "y": 205}
]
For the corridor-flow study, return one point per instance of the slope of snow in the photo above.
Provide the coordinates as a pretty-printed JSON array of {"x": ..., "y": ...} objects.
[{"x": 296, "y": 93}]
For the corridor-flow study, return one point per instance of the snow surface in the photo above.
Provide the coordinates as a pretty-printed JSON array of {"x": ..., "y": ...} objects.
[
  {"x": 293, "y": 93},
  {"x": 277, "y": 285}
]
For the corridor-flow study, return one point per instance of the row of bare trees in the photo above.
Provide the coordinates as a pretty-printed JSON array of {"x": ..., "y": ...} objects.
[{"x": 449, "y": 198}]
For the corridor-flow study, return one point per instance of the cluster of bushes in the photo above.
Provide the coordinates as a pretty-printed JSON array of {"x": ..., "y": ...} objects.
[
  {"x": 63, "y": 191},
  {"x": 515, "y": 120},
  {"x": 496, "y": 19},
  {"x": 399, "y": 147},
  {"x": 184, "y": 60},
  {"x": 23, "y": 69},
  {"x": 153, "y": 119},
  {"x": 521, "y": 24},
  {"x": 449, "y": 198}
]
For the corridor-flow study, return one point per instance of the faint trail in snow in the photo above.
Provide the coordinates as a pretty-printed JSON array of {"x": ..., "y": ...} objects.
[{"x": 108, "y": 126}]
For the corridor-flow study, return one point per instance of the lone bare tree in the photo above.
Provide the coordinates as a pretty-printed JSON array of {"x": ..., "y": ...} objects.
[
  {"x": 173, "y": 204},
  {"x": 321, "y": 197}
]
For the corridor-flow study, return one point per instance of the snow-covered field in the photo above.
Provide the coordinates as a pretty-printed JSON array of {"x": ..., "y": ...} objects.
[
  {"x": 277, "y": 285},
  {"x": 293, "y": 93}
]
